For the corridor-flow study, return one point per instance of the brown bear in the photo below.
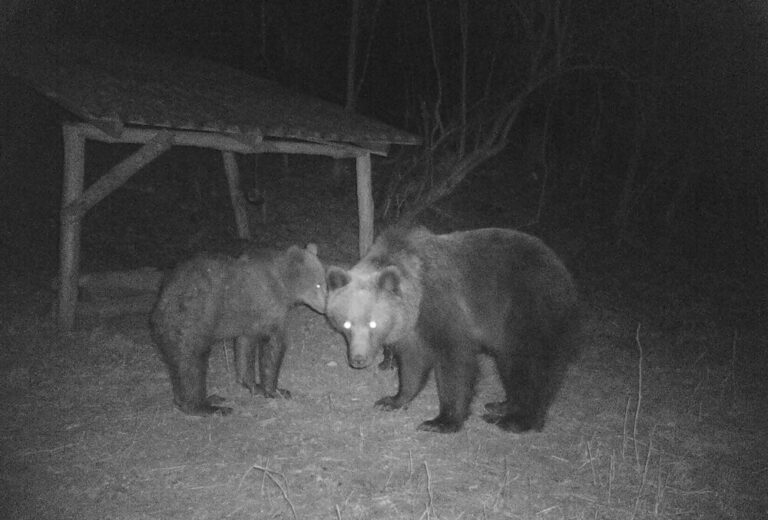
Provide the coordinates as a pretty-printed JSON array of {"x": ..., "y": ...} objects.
[
  {"x": 215, "y": 297},
  {"x": 437, "y": 301}
]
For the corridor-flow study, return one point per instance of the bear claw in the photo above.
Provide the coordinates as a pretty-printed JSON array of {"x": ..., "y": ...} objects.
[
  {"x": 221, "y": 410},
  {"x": 387, "y": 404},
  {"x": 205, "y": 410},
  {"x": 257, "y": 389},
  {"x": 513, "y": 423},
  {"x": 440, "y": 426},
  {"x": 209, "y": 406},
  {"x": 213, "y": 400},
  {"x": 280, "y": 392}
]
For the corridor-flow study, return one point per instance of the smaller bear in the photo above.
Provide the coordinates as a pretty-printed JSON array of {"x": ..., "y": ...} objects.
[{"x": 215, "y": 297}]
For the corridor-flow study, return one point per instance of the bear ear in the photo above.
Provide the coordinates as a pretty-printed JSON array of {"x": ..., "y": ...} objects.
[
  {"x": 312, "y": 248},
  {"x": 337, "y": 278},
  {"x": 295, "y": 254},
  {"x": 389, "y": 280}
]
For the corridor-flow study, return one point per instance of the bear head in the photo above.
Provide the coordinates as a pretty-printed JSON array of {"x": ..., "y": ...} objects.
[
  {"x": 371, "y": 307},
  {"x": 304, "y": 276}
]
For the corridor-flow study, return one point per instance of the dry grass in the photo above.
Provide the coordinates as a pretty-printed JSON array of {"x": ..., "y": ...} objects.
[{"x": 89, "y": 432}]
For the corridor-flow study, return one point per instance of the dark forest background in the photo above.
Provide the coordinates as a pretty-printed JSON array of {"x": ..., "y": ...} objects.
[{"x": 638, "y": 126}]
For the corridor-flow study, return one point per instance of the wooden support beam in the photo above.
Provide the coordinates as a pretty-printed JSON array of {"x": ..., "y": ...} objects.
[
  {"x": 225, "y": 142},
  {"x": 120, "y": 173},
  {"x": 364, "y": 202},
  {"x": 69, "y": 243},
  {"x": 239, "y": 203}
]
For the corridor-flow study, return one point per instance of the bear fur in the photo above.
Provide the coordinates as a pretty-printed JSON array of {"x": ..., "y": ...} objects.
[
  {"x": 438, "y": 301},
  {"x": 215, "y": 297}
]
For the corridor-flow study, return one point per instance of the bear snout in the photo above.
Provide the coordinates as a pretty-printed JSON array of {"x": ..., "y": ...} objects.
[{"x": 359, "y": 361}]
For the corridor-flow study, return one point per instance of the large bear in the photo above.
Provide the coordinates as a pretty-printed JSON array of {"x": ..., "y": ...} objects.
[
  {"x": 245, "y": 298},
  {"x": 438, "y": 301}
]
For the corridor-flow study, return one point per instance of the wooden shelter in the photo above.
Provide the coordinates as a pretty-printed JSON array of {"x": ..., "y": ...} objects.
[{"x": 126, "y": 95}]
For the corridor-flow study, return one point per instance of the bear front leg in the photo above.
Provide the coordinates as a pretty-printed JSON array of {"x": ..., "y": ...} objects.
[
  {"x": 388, "y": 363},
  {"x": 271, "y": 356},
  {"x": 455, "y": 376},
  {"x": 413, "y": 365},
  {"x": 245, "y": 362}
]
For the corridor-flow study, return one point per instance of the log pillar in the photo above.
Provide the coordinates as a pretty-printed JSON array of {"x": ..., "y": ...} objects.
[
  {"x": 364, "y": 202},
  {"x": 258, "y": 196},
  {"x": 239, "y": 203},
  {"x": 69, "y": 243}
]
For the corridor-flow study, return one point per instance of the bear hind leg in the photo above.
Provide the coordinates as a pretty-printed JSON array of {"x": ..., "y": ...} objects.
[
  {"x": 245, "y": 362},
  {"x": 524, "y": 408},
  {"x": 189, "y": 385}
]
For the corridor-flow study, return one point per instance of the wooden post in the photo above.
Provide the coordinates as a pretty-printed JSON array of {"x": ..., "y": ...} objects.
[
  {"x": 69, "y": 246},
  {"x": 364, "y": 202},
  {"x": 236, "y": 194},
  {"x": 260, "y": 196}
]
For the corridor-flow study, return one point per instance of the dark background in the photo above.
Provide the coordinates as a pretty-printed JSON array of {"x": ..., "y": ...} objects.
[{"x": 654, "y": 143}]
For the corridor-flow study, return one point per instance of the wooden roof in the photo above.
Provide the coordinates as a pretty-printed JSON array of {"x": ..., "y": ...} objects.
[{"x": 112, "y": 86}]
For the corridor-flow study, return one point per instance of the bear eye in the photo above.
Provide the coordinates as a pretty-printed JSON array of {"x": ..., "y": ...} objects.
[
  {"x": 317, "y": 286},
  {"x": 372, "y": 324},
  {"x": 347, "y": 325}
]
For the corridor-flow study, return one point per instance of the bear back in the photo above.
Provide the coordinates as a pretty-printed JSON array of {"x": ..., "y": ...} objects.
[
  {"x": 219, "y": 292},
  {"x": 470, "y": 280}
]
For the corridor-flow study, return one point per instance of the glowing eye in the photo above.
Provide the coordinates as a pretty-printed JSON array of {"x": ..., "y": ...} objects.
[
  {"x": 372, "y": 324},
  {"x": 317, "y": 286},
  {"x": 347, "y": 325}
]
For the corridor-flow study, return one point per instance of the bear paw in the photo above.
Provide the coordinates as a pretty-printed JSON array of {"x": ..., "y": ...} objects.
[
  {"x": 515, "y": 423},
  {"x": 387, "y": 404},
  {"x": 252, "y": 387},
  {"x": 221, "y": 410},
  {"x": 279, "y": 392},
  {"x": 213, "y": 400},
  {"x": 388, "y": 363},
  {"x": 257, "y": 389},
  {"x": 210, "y": 406},
  {"x": 440, "y": 425}
]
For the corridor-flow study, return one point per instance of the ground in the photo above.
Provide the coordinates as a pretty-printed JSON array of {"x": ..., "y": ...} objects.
[{"x": 662, "y": 416}]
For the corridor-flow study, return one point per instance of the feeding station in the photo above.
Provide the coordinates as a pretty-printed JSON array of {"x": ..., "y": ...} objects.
[{"x": 131, "y": 95}]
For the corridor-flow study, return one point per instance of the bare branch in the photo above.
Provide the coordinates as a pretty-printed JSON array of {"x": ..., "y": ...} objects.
[{"x": 480, "y": 130}]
